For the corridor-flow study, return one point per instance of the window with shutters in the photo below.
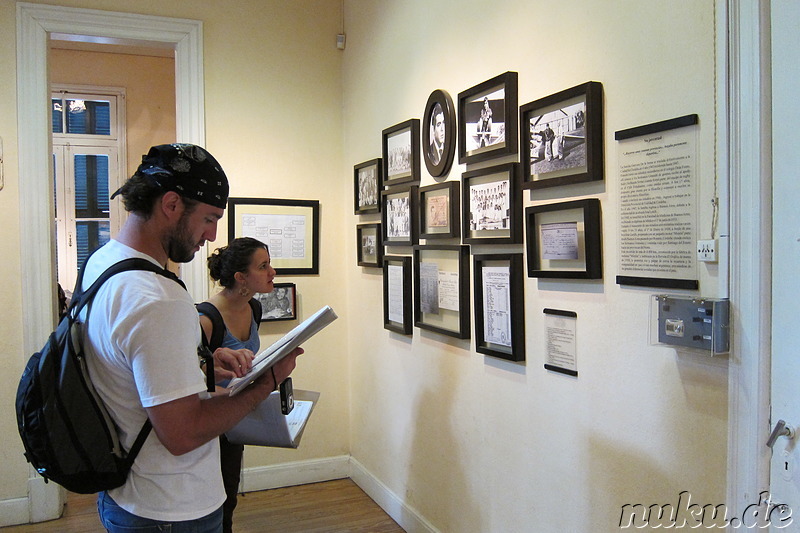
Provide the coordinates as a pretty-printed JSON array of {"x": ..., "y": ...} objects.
[{"x": 88, "y": 134}]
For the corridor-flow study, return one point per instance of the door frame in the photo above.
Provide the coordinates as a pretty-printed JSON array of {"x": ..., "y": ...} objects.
[
  {"x": 37, "y": 241},
  {"x": 748, "y": 163}
]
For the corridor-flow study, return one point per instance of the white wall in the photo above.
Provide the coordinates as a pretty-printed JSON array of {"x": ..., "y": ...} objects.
[{"x": 473, "y": 443}]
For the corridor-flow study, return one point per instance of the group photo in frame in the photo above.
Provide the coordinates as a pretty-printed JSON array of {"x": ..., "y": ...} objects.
[
  {"x": 280, "y": 304},
  {"x": 439, "y": 211},
  {"x": 491, "y": 205},
  {"x": 290, "y": 228},
  {"x": 368, "y": 184},
  {"x": 441, "y": 289},
  {"x": 487, "y": 119},
  {"x": 439, "y": 133},
  {"x": 397, "y": 294},
  {"x": 369, "y": 245},
  {"x": 399, "y": 216},
  {"x": 400, "y": 147},
  {"x": 499, "y": 307},
  {"x": 561, "y": 137},
  {"x": 564, "y": 240}
]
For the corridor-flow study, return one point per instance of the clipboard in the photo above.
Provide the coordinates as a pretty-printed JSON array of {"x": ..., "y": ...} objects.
[{"x": 268, "y": 426}]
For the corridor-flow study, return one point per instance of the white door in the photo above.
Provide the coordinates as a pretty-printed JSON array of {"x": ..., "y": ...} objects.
[{"x": 785, "y": 464}]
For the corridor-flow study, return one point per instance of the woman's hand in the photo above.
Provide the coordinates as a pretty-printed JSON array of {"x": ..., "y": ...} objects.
[{"x": 229, "y": 364}]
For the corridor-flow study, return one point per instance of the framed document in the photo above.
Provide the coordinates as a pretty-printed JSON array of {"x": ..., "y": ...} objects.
[
  {"x": 397, "y": 294},
  {"x": 439, "y": 211},
  {"x": 441, "y": 289},
  {"x": 499, "y": 307}
]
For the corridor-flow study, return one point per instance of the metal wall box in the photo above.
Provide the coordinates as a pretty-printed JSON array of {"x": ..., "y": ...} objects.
[{"x": 692, "y": 322}]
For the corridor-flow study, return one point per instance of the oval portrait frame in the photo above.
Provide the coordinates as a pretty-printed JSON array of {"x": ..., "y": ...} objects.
[{"x": 444, "y": 102}]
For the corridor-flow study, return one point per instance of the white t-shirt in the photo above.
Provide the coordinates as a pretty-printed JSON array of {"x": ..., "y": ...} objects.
[{"x": 143, "y": 333}]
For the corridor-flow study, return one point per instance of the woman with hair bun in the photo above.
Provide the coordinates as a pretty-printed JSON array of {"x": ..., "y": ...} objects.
[{"x": 242, "y": 269}]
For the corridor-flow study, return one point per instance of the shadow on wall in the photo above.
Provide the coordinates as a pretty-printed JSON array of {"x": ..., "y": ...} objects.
[{"x": 440, "y": 468}]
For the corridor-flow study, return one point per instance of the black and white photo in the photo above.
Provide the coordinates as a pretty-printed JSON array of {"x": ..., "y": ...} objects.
[
  {"x": 487, "y": 124},
  {"x": 370, "y": 249},
  {"x": 401, "y": 153},
  {"x": 368, "y": 183},
  {"x": 399, "y": 215},
  {"x": 492, "y": 205},
  {"x": 439, "y": 133},
  {"x": 280, "y": 304}
]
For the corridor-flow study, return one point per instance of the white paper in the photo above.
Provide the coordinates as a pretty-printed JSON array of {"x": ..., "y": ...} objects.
[
  {"x": 285, "y": 234},
  {"x": 448, "y": 290},
  {"x": 497, "y": 305},
  {"x": 559, "y": 241},
  {"x": 429, "y": 287},
  {"x": 268, "y": 426},
  {"x": 395, "y": 293},
  {"x": 560, "y": 333}
]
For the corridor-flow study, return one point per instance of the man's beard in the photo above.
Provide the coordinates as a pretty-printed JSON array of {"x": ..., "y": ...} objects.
[{"x": 179, "y": 245}]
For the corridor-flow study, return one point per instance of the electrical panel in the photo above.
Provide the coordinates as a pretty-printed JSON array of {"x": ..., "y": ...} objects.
[{"x": 692, "y": 322}]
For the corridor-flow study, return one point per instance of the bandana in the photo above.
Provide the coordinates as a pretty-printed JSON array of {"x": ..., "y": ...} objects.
[{"x": 188, "y": 170}]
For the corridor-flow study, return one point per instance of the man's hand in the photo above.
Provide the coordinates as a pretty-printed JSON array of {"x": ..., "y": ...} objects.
[{"x": 229, "y": 364}]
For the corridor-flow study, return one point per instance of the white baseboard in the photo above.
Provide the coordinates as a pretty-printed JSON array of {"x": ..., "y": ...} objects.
[
  {"x": 296, "y": 473},
  {"x": 407, "y": 517},
  {"x": 14, "y": 511}
]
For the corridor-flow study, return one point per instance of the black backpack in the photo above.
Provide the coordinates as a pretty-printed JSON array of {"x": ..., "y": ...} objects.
[{"x": 68, "y": 435}]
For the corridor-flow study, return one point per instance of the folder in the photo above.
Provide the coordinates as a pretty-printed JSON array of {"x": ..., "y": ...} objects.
[{"x": 268, "y": 426}]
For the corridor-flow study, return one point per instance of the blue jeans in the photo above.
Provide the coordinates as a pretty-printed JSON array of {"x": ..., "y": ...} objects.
[{"x": 117, "y": 520}]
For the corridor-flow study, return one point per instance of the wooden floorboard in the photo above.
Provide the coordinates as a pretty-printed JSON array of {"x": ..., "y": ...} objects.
[{"x": 331, "y": 507}]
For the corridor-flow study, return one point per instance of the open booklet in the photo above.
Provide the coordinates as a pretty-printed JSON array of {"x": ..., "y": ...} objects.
[
  {"x": 268, "y": 426},
  {"x": 283, "y": 347}
]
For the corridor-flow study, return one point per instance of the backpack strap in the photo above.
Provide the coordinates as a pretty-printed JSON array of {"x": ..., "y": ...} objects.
[
  {"x": 81, "y": 298},
  {"x": 217, "y": 325},
  {"x": 255, "y": 305}
]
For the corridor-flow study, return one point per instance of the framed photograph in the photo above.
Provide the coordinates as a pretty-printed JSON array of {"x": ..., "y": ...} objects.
[
  {"x": 439, "y": 133},
  {"x": 441, "y": 289},
  {"x": 499, "y": 306},
  {"x": 399, "y": 216},
  {"x": 401, "y": 153},
  {"x": 492, "y": 212},
  {"x": 487, "y": 119},
  {"x": 397, "y": 294},
  {"x": 439, "y": 208},
  {"x": 563, "y": 240},
  {"x": 368, "y": 183},
  {"x": 289, "y": 227},
  {"x": 561, "y": 138},
  {"x": 280, "y": 304},
  {"x": 370, "y": 249}
]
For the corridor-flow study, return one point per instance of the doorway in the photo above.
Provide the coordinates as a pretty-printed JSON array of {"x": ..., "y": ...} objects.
[{"x": 36, "y": 23}]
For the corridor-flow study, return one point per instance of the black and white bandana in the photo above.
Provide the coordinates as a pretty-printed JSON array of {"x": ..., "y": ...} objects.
[{"x": 188, "y": 170}]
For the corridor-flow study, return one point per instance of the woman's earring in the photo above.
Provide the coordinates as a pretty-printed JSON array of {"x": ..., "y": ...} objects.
[{"x": 243, "y": 291}]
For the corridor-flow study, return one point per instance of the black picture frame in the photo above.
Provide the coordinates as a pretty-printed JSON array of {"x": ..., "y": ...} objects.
[
  {"x": 441, "y": 275},
  {"x": 290, "y": 228},
  {"x": 499, "y": 307},
  {"x": 400, "y": 148},
  {"x": 439, "y": 118},
  {"x": 367, "y": 186},
  {"x": 561, "y": 137},
  {"x": 399, "y": 217},
  {"x": 564, "y": 240},
  {"x": 369, "y": 245},
  {"x": 280, "y": 304},
  {"x": 439, "y": 211},
  {"x": 397, "y": 294},
  {"x": 479, "y": 109},
  {"x": 492, "y": 205}
]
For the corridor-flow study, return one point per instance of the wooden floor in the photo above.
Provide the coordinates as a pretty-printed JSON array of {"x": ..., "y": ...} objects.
[{"x": 331, "y": 507}]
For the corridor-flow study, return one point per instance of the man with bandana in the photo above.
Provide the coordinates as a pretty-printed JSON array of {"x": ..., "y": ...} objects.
[{"x": 142, "y": 341}]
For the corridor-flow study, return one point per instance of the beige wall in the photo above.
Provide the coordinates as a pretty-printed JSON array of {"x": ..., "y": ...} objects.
[
  {"x": 149, "y": 84},
  {"x": 474, "y": 443},
  {"x": 470, "y": 442}
]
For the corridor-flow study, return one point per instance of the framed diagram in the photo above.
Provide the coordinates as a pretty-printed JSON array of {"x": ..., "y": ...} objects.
[
  {"x": 397, "y": 294},
  {"x": 563, "y": 240},
  {"x": 439, "y": 211},
  {"x": 487, "y": 119},
  {"x": 369, "y": 246},
  {"x": 561, "y": 137},
  {"x": 289, "y": 227},
  {"x": 367, "y": 186},
  {"x": 439, "y": 133},
  {"x": 499, "y": 307},
  {"x": 492, "y": 205},
  {"x": 441, "y": 289},
  {"x": 280, "y": 304},
  {"x": 399, "y": 216},
  {"x": 400, "y": 145}
]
